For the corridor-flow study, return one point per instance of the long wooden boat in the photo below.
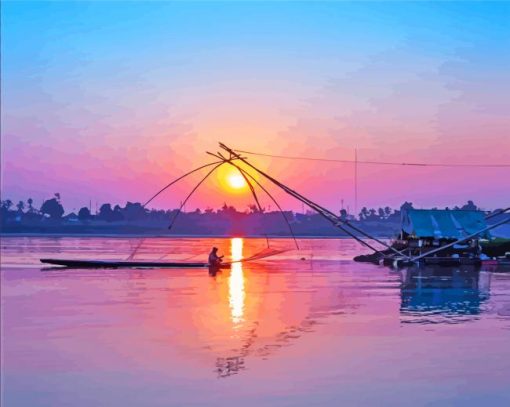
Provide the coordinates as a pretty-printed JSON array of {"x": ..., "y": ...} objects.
[
  {"x": 124, "y": 264},
  {"x": 70, "y": 263}
]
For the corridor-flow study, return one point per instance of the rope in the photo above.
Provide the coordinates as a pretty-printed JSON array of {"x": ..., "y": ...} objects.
[
  {"x": 322, "y": 211},
  {"x": 191, "y": 193},
  {"x": 288, "y": 157}
]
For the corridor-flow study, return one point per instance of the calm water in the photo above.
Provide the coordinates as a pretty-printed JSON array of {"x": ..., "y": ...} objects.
[{"x": 281, "y": 331}]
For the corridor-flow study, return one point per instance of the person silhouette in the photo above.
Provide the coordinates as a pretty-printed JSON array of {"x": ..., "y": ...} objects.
[{"x": 214, "y": 259}]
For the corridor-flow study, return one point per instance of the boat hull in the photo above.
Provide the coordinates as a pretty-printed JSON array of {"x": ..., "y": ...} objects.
[{"x": 123, "y": 264}]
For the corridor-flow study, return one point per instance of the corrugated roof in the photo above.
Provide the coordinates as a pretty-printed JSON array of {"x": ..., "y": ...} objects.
[{"x": 437, "y": 223}]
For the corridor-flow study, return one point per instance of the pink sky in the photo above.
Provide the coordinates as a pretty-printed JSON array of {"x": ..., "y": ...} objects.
[{"x": 110, "y": 112}]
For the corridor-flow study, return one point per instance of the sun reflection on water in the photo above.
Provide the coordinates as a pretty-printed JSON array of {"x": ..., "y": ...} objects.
[{"x": 236, "y": 282}]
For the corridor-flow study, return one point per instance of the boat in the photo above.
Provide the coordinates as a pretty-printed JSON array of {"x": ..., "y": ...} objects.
[
  {"x": 73, "y": 263},
  {"x": 125, "y": 264}
]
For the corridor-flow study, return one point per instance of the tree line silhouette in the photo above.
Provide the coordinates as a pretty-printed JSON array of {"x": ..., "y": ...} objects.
[{"x": 23, "y": 215}]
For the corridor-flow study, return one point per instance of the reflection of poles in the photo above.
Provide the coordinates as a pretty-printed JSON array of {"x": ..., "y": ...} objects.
[
  {"x": 132, "y": 255},
  {"x": 484, "y": 282},
  {"x": 319, "y": 209}
]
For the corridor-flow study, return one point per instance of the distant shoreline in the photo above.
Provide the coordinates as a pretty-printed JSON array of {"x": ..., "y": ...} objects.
[{"x": 176, "y": 236}]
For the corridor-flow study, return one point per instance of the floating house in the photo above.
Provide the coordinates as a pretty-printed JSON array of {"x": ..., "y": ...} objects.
[{"x": 425, "y": 230}]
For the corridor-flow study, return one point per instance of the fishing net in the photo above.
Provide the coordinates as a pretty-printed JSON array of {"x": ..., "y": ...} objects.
[{"x": 263, "y": 254}]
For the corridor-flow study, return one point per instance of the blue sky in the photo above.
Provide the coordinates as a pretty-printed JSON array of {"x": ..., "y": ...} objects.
[{"x": 125, "y": 87}]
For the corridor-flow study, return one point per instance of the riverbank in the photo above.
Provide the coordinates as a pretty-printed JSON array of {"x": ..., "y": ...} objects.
[
  {"x": 219, "y": 229},
  {"x": 176, "y": 236}
]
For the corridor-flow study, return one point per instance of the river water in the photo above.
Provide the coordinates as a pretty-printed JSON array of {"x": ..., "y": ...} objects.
[{"x": 302, "y": 328}]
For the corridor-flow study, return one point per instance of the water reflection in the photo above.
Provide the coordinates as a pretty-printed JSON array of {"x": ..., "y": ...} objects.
[
  {"x": 236, "y": 282},
  {"x": 437, "y": 294},
  {"x": 320, "y": 324},
  {"x": 229, "y": 366}
]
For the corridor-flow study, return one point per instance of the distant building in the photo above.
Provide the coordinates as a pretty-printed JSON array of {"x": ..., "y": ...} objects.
[{"x": 426, "y": 229}]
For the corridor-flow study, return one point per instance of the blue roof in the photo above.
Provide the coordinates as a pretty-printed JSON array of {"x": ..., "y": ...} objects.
[{"x": 451, "y": 224}]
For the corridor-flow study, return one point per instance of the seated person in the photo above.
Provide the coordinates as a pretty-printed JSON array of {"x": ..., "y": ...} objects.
[{"x": 214, "y": 259}]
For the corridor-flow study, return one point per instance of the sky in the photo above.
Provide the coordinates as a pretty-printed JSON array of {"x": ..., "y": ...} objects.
[{"x": 109, "y": 101}]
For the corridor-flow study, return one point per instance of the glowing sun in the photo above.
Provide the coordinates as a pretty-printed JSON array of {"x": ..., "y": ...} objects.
[
  {"x": 230, "y": 180},
  {"x": 236, "y": 181}
]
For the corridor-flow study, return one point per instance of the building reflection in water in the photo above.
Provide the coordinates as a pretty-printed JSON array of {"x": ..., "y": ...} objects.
[
  {"x": 428, "y": 295},
  {"x": 435, "y": 294},
  {"x": 236, "y": 282}
]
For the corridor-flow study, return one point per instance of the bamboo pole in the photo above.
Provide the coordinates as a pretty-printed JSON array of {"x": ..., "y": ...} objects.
[
  {"x": 178, "y": 179},
  {"x": 191, "y": 193},
  {"x": 252, "y": 189},
  {"x": 319, "y": 209},
  {"x": 275, "y": 202},
  {"x": 501, "y": 212},
  {"x": 245, "y": 174}
]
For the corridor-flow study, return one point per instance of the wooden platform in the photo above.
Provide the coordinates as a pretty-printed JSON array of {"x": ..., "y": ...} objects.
[{"x": 433, "y": 261}]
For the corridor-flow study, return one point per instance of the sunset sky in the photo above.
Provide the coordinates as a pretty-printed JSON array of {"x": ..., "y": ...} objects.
[{"x": 109, "y": 101}]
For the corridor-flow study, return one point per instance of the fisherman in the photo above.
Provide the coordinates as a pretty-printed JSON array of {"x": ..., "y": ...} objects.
[{"x": 214, "y": 259}]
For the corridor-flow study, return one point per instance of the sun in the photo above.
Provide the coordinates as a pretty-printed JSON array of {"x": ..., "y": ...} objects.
[
  {"x": 230, "y": 180},
  {"x": 236, "y": 181}
]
